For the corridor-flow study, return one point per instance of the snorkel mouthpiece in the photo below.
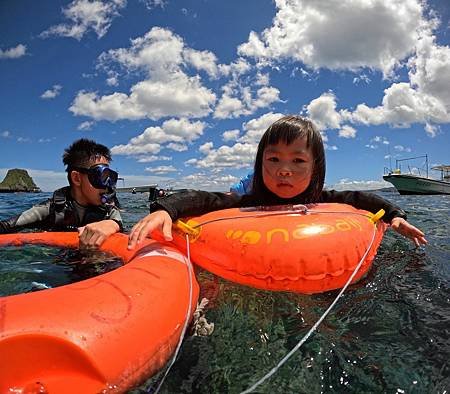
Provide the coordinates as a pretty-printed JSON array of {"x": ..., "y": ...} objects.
[{"x": 109, "y": 196}]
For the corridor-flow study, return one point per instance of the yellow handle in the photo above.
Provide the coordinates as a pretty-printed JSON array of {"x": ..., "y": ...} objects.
[
  {"x": 377, "y": 216},
  {"x": 186, "y": 228}
]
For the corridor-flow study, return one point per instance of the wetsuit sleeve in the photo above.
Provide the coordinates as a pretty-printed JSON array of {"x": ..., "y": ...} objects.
[
  {"x": 35, "y": 217},
  {"x": 115, "y": 215},
  {"x": 364, "y": 200},
  {"x": 195, "y": 202}
]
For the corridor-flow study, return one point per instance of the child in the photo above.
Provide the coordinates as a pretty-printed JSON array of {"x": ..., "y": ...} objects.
[
  {"x": 87, "y": 204},
  {"x": 289, "y": 169}
]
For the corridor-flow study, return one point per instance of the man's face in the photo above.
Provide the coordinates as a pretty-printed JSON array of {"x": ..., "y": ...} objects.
[{"x": 88, "y": 194}]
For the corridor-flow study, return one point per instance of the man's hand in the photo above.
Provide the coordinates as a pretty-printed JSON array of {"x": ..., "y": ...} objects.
[
  {"x": 157, "y": 220},
  {"x": 94, "y": 234},
  {"x": 406, "y": 229}
]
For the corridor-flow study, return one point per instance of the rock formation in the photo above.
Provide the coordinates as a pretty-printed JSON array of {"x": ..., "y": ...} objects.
[{"x": 17, "y": 180}]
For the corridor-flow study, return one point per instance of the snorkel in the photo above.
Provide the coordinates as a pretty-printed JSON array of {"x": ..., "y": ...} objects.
[
  {"x": 102, "y": 177},
  {"x": 109, "y": 197}
]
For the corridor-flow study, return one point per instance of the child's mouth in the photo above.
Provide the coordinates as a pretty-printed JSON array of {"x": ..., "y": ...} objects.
[{"x": 284, "y": 185}]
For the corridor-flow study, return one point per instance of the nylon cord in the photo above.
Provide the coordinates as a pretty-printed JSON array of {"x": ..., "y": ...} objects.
[
  {"x": 318, "y": 322},
  {"x": 188, "y": 315}
]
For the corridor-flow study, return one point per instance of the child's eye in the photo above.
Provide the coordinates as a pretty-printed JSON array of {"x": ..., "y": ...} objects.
[
  {"x": 298, "y": 160},
  {"x": 273, "y": 158}
]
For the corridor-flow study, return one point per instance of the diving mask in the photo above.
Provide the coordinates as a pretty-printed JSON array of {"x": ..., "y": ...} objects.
[{"x": 100, "y": 176}]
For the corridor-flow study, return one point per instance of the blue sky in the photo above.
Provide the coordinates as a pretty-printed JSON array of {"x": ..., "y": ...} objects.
[{"x": 181, "y": 91}]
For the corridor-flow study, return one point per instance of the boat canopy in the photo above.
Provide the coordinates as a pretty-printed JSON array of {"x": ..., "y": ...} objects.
[{"x": 441, "y": 168}]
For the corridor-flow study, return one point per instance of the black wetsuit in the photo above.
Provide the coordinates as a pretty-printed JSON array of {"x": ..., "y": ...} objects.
[
  {"x": 193, "y": 203},
  {"x": 60, "y": 213}
]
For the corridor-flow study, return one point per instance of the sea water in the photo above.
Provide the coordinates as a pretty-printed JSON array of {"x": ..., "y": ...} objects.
[{"x": 390, "y": 333}]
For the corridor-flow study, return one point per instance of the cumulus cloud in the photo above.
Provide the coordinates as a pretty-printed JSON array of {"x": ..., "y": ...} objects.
[
  {"x": 152, "y": 158},
  {"x": 175, "y": 133},
  {"x": 318, "y": 34},
  {"x": 236, "y": 156},
  {"x": 52, "y": 93},
  {"x": 238, "y": 100},
  {"x": 322, "y": 112},
  {"x": 204, "y": 181},
  {"x": 161, "y": 170},
  {"x": 180, "y": 96},
  {"x": 401, "y": 106},
  {"x": 84, "y": 16},
  {"x": 348, "y": 184},
  {"x": 13, "y": 53},
  {"x": 230, "y": 135},
  {"x": 167, "y": 89},
  {"x": 347, "y": 132},
  {"x": 242, "y": 153},
  {"x": 255, "y": 128},
  {"x": 87, "y": 125},
  {"x": 150, "y": 4}
]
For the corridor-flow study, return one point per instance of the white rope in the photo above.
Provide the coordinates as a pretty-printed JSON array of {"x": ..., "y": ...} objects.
[
  {"x": 186, "y": 321},
  {"x": 296, "y": 209},
  {"x": 314, "y": 327}
]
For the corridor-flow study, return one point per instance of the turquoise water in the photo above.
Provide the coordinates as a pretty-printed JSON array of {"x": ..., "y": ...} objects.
[{"x": 389, "y": 333}]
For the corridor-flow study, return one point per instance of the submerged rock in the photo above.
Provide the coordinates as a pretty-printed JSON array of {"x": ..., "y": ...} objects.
[{"x": 17, "y": 180}]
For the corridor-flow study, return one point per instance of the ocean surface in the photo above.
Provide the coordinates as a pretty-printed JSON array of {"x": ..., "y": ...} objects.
[{"x": 390, "y": 333}]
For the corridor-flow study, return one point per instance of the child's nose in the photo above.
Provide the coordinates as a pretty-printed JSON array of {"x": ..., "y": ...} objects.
[{"x": 285, "y": 172}]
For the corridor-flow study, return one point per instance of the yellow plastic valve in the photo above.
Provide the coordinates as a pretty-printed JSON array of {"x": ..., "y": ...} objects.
[
  {"x": 377, "y": 216},
  {"x": 186, "y": 228}
]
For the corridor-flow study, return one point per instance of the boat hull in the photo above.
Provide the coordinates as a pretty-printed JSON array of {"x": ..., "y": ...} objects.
[{"x": 410, "y": 184}]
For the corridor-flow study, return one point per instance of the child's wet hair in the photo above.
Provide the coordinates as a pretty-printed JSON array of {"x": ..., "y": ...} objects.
[{"x": 286, "y": 130}]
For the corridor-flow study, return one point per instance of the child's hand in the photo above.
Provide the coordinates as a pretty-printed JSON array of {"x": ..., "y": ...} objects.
[
  {"x": 157, "y": 220},
  {"x": 406, "y": 229},
  {"x": 94, "y": 234}
]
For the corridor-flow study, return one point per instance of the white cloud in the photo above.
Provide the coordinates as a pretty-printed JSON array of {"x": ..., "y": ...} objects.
[
  {"x": 84, "y": 16},
  {"x": 6, "y": 134},
  {"x": 173, "y": 132},
  {"x": 161, "y": 170},
  {"x": 239, "y": 100},
  {"x": 87, "y": 125},
  {"x": 242, "y": 153},
  {"x": 13, "y": 53},
  {"x": 401, "y": 148},
  {"x": 401, "y": 106},
  {"x": 236, "y": 156},
  {"x": 167, "y": 89},
  {"x": 152, "y": 158},
  {"x": 230, "y": 135},
  {"x": 255, "y": 128},
  {"x": 205, "y": 181},
  {"x": 347, "y": 132},
  {"x": 150, "y": 4},
  {"x": 202, "y": 60},
  {"x": 181, "y": 96},
  {"x": 432, "y": 130},
  {"x": 322, "y": 112},
  {"x": 52, "y": 93},
  {"x": 347, "y": 184},
  {"x": 318, "y": 33}
]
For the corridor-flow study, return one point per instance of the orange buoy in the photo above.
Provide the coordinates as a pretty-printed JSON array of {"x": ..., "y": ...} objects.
[
  {"x": 300, "y": 251},
  {"x": 104, "y": 334}
]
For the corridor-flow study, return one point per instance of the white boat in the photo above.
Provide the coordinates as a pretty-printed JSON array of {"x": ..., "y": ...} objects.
[{"x": 409, "y": 183}]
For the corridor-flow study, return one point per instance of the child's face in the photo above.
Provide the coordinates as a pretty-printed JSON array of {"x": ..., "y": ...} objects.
[
  {"x": 287, "y": 169},
  {"x": 88, "y": 194}
]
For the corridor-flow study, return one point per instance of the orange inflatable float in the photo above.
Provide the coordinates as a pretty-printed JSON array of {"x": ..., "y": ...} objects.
[
  {"x": 104, "y": 334},
  {"x": 298, "y": 249}
]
